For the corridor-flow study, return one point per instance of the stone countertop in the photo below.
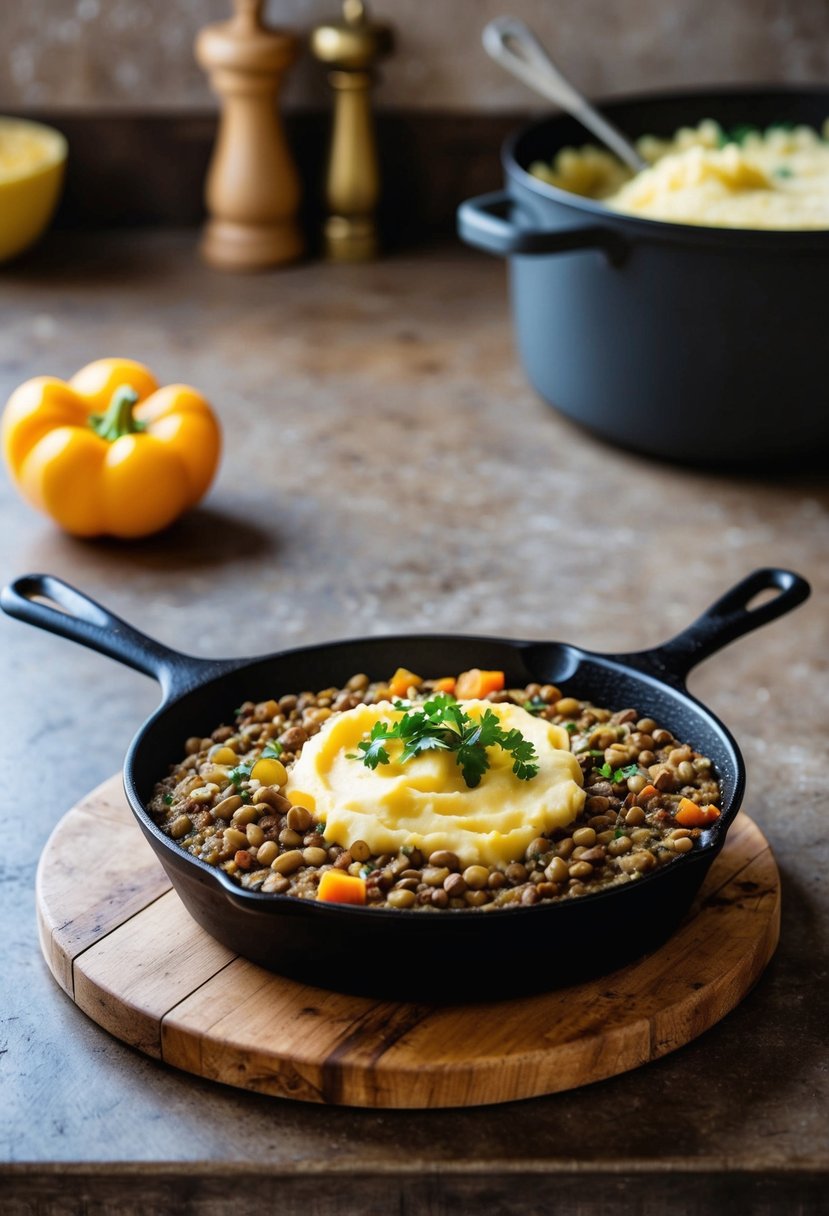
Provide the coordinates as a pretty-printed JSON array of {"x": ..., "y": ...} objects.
[{"x": 387, "y": 468}]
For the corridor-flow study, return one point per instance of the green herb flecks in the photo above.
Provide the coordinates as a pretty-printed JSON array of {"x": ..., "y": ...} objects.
[
  {"x": 535, "y": 706},
  {"x": 239, "y": 774},
  {"x": 273, "y": 750},
  {"x": 618, "y": 774},
  {"x": 168, "y": 798},
  {"x": 736, "y": 135},
  {"x": 783, "y": 171},
  {"x": 442, "y": 725}
]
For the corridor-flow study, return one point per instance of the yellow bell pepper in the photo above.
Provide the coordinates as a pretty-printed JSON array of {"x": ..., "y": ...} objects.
[{"x": 109, "y": 453}]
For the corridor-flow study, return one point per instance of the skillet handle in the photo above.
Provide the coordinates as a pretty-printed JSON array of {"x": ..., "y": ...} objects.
[
  {"x": 83, "y": 620},
  {"x": 727, "y": 619}
]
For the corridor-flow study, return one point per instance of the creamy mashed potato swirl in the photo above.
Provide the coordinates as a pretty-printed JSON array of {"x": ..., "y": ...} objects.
[
  {"x": 425, "y": 803},
  {"x": 777, "y": 179}
]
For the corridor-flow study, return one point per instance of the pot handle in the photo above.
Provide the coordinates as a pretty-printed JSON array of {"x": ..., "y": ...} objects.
[
  {"x": 484, "y": 223},
  {"x": 81, "y": 619},
  {"x": 726, "y": 620}
]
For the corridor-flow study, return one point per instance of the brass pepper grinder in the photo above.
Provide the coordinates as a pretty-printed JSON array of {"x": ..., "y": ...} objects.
[
  {"x": 351, "y": 47},
  {"x": 252, "y": 190}
]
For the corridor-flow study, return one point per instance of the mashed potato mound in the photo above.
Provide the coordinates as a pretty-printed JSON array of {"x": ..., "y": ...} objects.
[{"x": 425, "y": 803}]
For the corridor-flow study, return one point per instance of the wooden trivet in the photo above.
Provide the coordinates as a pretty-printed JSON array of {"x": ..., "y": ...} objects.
[{"x": 120, "y": 943}]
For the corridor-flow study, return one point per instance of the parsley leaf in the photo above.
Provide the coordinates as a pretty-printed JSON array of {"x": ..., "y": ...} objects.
[
  {"x": 618, "y": 774},
  {"x": 373, "y": 751},
  {"x": 239, "y": 774},
  {"x": 273, "y": 750}
]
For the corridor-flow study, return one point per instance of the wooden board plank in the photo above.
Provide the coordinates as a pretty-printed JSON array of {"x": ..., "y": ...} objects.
[
  {"x": 147, "y": 973},
  {"x": 96, "y": 871},
  {"x": 129, "y": 979}
]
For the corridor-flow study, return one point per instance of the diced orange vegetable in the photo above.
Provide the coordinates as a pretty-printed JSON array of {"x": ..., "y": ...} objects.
[
  {"x": 338, "y": 888},
  {"x": 650, "y": 791},
  {"x": 473, "y": 685},
  {"x": 692, "y": 816},
  {"x": 402, "y": 681},
  {"x": 447, "y": 684}
]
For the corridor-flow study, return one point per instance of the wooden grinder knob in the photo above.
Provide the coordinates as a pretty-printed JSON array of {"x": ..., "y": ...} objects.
[{"x": 253, "y": 189}]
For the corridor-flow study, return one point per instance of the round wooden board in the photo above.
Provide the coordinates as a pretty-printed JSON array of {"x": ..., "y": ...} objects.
[{"x": 119, "y": 942}]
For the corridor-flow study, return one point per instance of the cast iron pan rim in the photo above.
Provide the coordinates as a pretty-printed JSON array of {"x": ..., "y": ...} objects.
[
  {"x": 693, "y": 233},
  {"x": 712, "y": 840}
]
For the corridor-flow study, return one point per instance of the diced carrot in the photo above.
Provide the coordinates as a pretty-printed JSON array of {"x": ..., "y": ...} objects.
[
  {"x": 692, "y": 816},
  {"x": 338, "y": 888},
  {"x": 474, "y": 684},
  {"x": 447, "y": 684},
  {"x": 402, "y": 681},
  {"x": 649, "y": 791}
]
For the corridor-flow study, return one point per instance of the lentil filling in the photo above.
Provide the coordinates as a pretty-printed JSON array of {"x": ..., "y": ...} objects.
[{"x": 648, "y": 798}]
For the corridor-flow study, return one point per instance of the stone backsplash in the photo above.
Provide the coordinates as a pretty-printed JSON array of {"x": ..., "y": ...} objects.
[{"x": 137, "y": 56}]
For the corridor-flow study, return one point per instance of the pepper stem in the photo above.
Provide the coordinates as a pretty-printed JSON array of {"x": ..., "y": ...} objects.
[{"x": 118, "y": 419}]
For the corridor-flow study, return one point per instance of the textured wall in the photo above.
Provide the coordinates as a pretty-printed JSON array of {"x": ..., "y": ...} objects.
[{"x": 136, "y": 54}]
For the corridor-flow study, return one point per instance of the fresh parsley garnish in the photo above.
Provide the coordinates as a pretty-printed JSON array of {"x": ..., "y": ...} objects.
[
  {"x": 783, "y": 171},
  {"x": 168, "y": 798},
  {"x": 239, "y": 774},
  {"x": 273, "y": 750},
  {"x": 570, "y": 727},
  {"x": 535, "y": 705},
  {"x": 737, "y": 134},
  {"x": 618, "y": 774},
  {"x": 442, "y": 725}
]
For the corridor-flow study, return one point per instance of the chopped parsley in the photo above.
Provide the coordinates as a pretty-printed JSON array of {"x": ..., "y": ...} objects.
[
  {"x": 618, "y": 774},
  {"x": 783, "y": 171},
  {"x": 535, "y": 705},
  {"x": 442, "y": 725},
  {"x": 570, "y": 727},
  {"x": 168, "y": 798},
  {"x": 273, "y": 750},
  {"x": 239, "y": 774},
  {"x": 737, "y": 135}
]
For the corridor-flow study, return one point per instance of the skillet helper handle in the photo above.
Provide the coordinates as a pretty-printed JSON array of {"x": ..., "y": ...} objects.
[
  {"x": 486, "y": 223},
  {"x": 726, "y": 620},
  {"x": 83, "y": 620}
]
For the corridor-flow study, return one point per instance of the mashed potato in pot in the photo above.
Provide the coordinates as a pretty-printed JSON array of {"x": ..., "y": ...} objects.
[{"x": 747, "y": 178}]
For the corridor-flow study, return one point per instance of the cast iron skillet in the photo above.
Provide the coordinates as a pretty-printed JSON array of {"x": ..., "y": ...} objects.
[{"x": 459, "y": 954}]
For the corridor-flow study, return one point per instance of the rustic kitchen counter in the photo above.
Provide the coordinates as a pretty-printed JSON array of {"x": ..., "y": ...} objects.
[{"x": 387, "y": 468}]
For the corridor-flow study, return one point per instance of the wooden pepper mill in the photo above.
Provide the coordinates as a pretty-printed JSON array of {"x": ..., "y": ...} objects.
[
  {"x": 351, "y": 47},
  {"x": 253, "y": 189}
]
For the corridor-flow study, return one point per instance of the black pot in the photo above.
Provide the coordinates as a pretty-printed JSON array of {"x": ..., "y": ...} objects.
[
  {"x": 691, "y": 343},
  {"x": 435, "y": 956}
]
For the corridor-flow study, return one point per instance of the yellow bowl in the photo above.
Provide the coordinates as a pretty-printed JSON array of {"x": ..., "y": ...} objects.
[{"x": 32, "y": 161}]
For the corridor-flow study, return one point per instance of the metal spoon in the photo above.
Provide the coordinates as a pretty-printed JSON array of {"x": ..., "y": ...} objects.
[{"x": 512, "y": 44}]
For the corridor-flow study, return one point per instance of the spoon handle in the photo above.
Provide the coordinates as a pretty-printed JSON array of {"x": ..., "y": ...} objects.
[{"x": 512, "y": 44}]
